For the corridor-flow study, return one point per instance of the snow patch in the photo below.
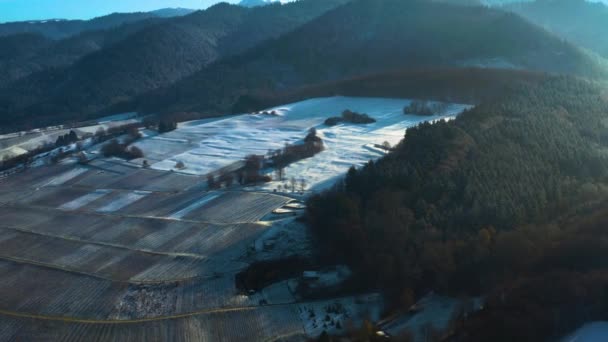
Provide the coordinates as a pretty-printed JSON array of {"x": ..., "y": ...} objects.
[
  {"x": 84, "y": 200},
  {"x": 196, "y": 205},
  {"x": 590, "y": 332},
  {"x": 66, "y": 176},
  {"x": 205, "y": 146},
  {"x": 123, "y": 201}
]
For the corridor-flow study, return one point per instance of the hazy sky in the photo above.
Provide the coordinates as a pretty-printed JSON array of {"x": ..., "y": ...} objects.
[{"x": 18, "y": 10}]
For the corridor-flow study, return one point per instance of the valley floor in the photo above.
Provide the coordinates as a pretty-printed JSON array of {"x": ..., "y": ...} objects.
[{"x": 113, "y": 251}]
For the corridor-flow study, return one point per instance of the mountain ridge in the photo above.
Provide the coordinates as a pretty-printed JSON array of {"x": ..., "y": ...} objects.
[
  {"x": 583, "y": 29},
  {"x": 65, "y": 28},
  {"x": 155, "y": 56},
  {"x": 381, "y": 36}
]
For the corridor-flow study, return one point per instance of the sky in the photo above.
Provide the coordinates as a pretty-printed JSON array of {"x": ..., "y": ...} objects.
[{"x": 20, "y": 10}]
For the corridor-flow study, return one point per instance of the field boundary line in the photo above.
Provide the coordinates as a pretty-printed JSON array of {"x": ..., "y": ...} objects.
[
  {"x": 117, "y": 322},
  {"x": 117, "y": 215},
  {"x": 105, "y": 244},
  {"x": 170, "y": 317},
  {"x": 102, "y": 277}
]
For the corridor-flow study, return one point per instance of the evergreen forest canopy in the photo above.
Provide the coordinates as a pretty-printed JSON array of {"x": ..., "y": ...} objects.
[{"x": 509, "y": 195}]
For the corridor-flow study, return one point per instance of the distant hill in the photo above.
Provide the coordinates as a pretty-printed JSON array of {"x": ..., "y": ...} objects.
[
  {"x": 22, "y": 44},
  {"x": 150, "y": 58},
  {"x": 579, "y": 21},
  {"x": 367, "y": 36},
  {"x": 255, "y": 3},
  {"x": 172, "y": 12},
  {"x": 456, "y": 85},
  {"x": 502, "y": 2},
  {"x": 60, "y": 28},
  {"x": 26, "y": 53},
  {"x": 462, "y": 2}
]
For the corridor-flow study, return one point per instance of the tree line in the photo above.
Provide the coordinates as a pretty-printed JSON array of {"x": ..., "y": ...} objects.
[
  {"x": 466, "y": 207},
  {"x": 251, "y": 171}
]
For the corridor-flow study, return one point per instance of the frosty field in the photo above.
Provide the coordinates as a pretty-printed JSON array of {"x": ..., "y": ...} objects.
[
  {"x": 208, "y": 145},
  {"x": 111, "y": 250}
]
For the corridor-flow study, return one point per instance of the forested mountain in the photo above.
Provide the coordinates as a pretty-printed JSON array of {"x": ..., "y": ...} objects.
[
  {"x": 363, "y": 36},
  {"x": 59, "y": 29},
  {"x": 462, "y": 2},
  {"x": 24, "y": 44},
  {"x": 150, "y": 58},
  {"x": 456, "y": 85},
  {"x": 579, "y": 21},
  {"x": 360, "y": 37},
  {"x": 27, "y": 53},
  {"x": 367, "y": 36},
  {"x": 499, "y": 201},
  {"x": 172, "y": 12},
  {"x": 255, "y": 3}
]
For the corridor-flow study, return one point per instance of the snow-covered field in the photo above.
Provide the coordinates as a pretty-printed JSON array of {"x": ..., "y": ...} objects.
[
  {"x": 207, "y": 145},
  {"x": 84, "y": 200},
  {"x": 66, "y": 176},
  {"x": 15, "y": 144},
  {"x": 123, "y": 201},
  {"x": 201, "y": 202},
  {"x": 590, "y": 332}
]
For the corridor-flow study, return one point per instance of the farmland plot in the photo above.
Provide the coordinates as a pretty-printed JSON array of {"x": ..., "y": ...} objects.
[
  {"x": 164, "y": 204},
  {"x": 163, "y": 146},
  {"x": 99, "y": 178},
  {"x": 253, "y": 324},
  {"x": 52, "y": 196},
  {"x": 215, "y": 239},
  {"x": 122, "y": 201},
  {"x": 65, "y": 294},
  {"x": 194, "y": 206},
  {"x": 102, "y": 173},
  {"x": 234, "y": 207},
  {"x": 239, "y": 324},
  {"x": 32, "y": 177},
  {"x": 206, "y": 146},
  {"x": 64, "y": 177},
  {"x": 146, "y": 234},
  {"x": 119, "y": 264},
  {"x": 114, "y": 251},
  {"x": 84, "y": 200},
  {"x": 154, "y": 180},
  {"x": 159, "y": 300},
  {"x": 23, "y": 217},
  {"x": 39, "y": 290},
  {"x": 8, "y": 195}
]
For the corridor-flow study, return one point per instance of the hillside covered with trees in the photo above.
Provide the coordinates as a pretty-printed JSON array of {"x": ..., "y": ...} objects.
[
  {"x": 61, "y": 29},
  {"x": 364, "y": 37},
  {"x": 146, "y": 59},
  {"x": 578, "y": 21},
  {"x": 506, "y": 200},
  {"x": 23, "y": 54}
]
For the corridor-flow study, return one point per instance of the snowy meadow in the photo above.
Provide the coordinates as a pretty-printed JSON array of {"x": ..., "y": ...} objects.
[{"x": 205, "y": 146}]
